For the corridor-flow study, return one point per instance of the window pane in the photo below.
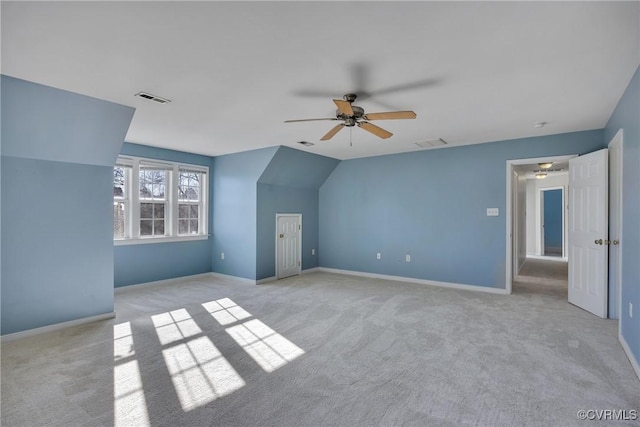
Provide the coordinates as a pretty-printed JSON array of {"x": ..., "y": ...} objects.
[
  {"x": 146, "y": 210},
  {"x": 189, "y": 186},
  {"x": 118, "y": 182},
  {"x": 194, "y": 211},
  {"x": 193, "y": 225},
  {"x": 152, "y": 183},
  {"x": 145, "y": 227},
  {"x": 158, "y": 227},
  {"x": 183, "y": 211},
  {"x": 158, "y": 210},
  {"x": 119, "y": 220},
  {"x": 183, "y": 226}
]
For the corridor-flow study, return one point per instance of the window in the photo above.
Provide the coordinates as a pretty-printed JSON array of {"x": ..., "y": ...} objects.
[
  {"x": 189, "y": 203},
  {"x": 169, "y": 203}
]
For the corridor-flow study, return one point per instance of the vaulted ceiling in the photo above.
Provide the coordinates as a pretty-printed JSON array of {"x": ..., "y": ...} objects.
[{"x": 235, "y": 71}]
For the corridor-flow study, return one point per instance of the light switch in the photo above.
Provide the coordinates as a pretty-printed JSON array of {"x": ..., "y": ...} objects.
[{"x": 493, "y": 212}]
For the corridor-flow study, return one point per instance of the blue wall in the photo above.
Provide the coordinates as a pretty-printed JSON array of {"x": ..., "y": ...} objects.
[
  {"x": 58, "y": 151},
  {"x": 234, "y": 210},
  {"x": 432, "y": 205},
  {"x": 553, "y": 220},
  {"x": 273, "y": 199},
  {"x": 290, "y": 184},
  {"x": 627, "y": 117},
  {"x": 157, "y": 261}
]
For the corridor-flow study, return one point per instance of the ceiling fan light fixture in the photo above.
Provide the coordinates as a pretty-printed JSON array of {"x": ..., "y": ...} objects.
[{"x": 306, "y": 143}]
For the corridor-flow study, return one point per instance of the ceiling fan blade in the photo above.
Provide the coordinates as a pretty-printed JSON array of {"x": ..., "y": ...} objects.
[
  {"x": 308, "y": 120},
  {"x": 406, "y": 86},
  {"x": 390, "y": 115},
  {"x": 377, "y": 131},
  {"x": 344, "y": 107},
  {"x": 332, "y": 132}
]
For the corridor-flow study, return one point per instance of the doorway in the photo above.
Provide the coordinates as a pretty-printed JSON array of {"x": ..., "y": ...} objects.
[
  {"x": 524, "y": 241},
  {"x": 288, "y": 245}
]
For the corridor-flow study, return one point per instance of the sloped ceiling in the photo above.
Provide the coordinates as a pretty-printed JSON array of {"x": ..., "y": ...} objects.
[{"x": 297, "y": 169}]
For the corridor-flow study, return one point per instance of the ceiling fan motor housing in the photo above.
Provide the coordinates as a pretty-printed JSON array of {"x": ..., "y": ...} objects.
[{"x": 349, "y": 121}]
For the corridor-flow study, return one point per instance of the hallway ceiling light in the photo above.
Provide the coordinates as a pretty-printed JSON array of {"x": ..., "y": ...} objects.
[
  {"x": 545, "y": 165},
  {"x": 541, "y": 175}
]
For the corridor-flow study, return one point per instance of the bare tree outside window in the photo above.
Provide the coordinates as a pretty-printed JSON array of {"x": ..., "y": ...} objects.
[
  {"x": 189, "y": 197},
  {"x": 119, "y": 202},
  {"x": 152, "y": 197},
  {"x": 158, "y": 199}
]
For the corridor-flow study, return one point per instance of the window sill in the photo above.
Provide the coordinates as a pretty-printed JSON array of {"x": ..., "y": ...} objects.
[{"x": 148, "y": 240}]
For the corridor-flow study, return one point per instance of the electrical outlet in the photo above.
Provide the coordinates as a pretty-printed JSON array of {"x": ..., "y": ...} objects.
[
  {"x": 378, "y": 255},
  {"x": 221, "y": 255},
  {"x": 493, "y": 212},
  {"x": 313, "y": 251},
  {"x": 407, "y": 258},
  {"x": 630, "y": 310}
]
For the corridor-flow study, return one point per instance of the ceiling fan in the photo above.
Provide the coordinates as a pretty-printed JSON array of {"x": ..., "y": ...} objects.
[{"x": 352, "y": 115}]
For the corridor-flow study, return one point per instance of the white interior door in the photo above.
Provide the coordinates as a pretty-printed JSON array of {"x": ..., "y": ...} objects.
[
  {"x": 588, "y": 231},
  {"x": 288, "y": 245}
]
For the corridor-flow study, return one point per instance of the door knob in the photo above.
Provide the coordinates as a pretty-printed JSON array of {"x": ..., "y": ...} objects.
[
  {"x": 616, "y": 242},
  {"x": 598, "y": 241},
  {"x": 281, "y": 236}
]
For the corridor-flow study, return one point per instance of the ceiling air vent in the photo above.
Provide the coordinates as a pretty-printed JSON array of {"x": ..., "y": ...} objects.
[
  {"x": 431, "y": 143},
  {"x": 150, "y": 97}
]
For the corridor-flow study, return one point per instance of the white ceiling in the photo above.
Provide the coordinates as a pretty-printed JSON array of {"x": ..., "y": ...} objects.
[{"x": 472, "y": 71}]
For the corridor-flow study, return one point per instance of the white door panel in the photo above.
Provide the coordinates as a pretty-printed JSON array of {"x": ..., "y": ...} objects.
[
  {"x": 288, "y": 245},
  {"x": 588, "y": 232}
]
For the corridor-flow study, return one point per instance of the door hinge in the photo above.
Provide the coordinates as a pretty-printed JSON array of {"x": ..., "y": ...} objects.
[
  {"x": 298, "y": 263},
  {"x": 299, "y": 227}
]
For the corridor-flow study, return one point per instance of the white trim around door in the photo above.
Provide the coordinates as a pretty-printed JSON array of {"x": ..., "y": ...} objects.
[{"x": 509, "y": 208}]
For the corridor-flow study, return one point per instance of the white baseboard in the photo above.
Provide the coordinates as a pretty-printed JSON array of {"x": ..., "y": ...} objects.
[
  {"x": 172, "y": 281},
  {"x": 57, "y": 326},
  {"x": 274, "y": 278},
  {"x": 234, "y": 278},
  {"x": 413, "y": 280},
  {"x": 266, "y": 280},
  {"x": 632, "y": 359}
]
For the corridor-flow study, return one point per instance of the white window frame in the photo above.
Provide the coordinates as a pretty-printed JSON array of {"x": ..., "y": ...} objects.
[{"x": 132, "y": 203}]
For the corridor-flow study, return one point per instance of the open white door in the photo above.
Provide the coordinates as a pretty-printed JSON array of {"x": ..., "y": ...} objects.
[
  {"x": 588, "y": 231},
  {"x": 288, "y": 245}
]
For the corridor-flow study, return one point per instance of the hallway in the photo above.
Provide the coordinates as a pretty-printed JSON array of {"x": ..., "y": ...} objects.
[{"x": 542, "y": 277}]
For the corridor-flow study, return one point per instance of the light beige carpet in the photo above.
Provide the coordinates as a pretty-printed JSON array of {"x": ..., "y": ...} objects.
[{"x": 321, "y": 350}]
